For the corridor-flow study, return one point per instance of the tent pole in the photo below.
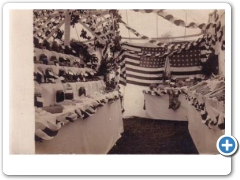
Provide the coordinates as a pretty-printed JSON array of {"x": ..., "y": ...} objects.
[
  {"x": 185, "y": 26},
  {"x": 77, "y": 33},
  {"x": 67, "y": 28},
  {"x": 128, "y": 30}
]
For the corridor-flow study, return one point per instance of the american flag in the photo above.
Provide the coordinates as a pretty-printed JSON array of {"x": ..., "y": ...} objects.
[
  {"x": 141, "y": 65},
  {"x": 186, "y": 64},
  {"x": 144, "y": 65}
]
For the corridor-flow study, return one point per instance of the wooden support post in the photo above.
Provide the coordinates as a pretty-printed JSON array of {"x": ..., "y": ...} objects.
[{"x": 67, "y": 28}]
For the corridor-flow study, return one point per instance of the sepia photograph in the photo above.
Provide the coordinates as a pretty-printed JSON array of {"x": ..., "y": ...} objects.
[
  {"x": 118, "y": 89},
  {"x": 128, "y": 81}
]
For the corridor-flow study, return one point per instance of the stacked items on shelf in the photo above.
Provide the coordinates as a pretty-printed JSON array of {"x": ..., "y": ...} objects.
[
  {"x": 44, "y": 56},
  {"x": 53, "y": 67},
  {"x": 208, "y": 97},
  {"x": 48, "y": 124},
  {"x": 48, "y": 94},
  {"x": 53, "y": 74},
  {"x": 59, "y": 103},
  {"x": 65, "y": 90}
]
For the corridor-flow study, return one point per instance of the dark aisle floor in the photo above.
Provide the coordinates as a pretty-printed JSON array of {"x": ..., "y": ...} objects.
[{"x": 147, "y": 136}]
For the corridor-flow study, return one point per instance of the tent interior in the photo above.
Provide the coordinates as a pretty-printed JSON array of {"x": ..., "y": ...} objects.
[{"x": 129, "y": 81}]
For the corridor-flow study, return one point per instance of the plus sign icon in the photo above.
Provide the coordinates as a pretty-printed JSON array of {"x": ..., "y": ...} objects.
[{"x": 227, "y": 145}]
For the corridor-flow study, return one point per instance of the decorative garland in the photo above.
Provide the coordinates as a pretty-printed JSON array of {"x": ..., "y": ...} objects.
[
  {"x": 84, "y": 35},
  {"x": 52, "y": 74},
  {"x": 209, "y": 91},
  {"x": 180, "y": 47},
  {"x": 178, "y": 22},
  {"x": 218, "y": 121},
  {"x": 169, "y": 91},
  {"x": 76, "y": 49},
  {"x": 105, "y": 31}
]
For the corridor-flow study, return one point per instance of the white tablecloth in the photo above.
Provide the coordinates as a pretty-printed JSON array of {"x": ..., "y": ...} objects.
[
  {"x": 205, "y": 139},
  {"x": 94, "y": 135},
  {"x": 157, "y": 108}
]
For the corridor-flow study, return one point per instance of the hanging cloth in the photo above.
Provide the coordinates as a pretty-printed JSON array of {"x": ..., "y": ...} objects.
[{"x": 167, "y": 69}]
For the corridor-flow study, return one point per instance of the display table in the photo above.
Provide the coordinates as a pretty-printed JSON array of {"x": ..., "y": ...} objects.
[
  {"x": 157, "y": 108},
  {"x": 205, "y": 139},
  {"x": 206, "y": 114},
  {"x": 95, "y": 135}
]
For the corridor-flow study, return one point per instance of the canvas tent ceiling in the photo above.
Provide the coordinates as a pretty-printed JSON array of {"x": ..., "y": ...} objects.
[{"x": 154, "y": 26}]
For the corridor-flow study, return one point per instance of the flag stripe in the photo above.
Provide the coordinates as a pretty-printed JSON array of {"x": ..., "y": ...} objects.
[
  {"x": 186, "y": 72},
  {"x": 142, "y": 71},
  {"x": 138, "y": 83},
  {"x": 147, "y": 70},
  {"x": 188, "y": 76},
  {"x": 139, "y": 69},
  {"x": 131, "y": 62},
  {"x": 131, "y": 56},
  {"x": 143, "y": 81},
  {"x": 144, "y": 75},
  {"x": 183, "y": 69}
]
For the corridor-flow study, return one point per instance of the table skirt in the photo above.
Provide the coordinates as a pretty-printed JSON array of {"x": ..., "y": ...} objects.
[{"x": 94, "y": 135}]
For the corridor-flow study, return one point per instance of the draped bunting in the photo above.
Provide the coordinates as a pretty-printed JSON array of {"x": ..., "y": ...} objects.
[
  {"x": 177, "y": 48},
  {"x": 142, "y": 65},
  {"x": 176, "y": 21},
  {"x": 206, "y": 45},
  {"x": 208, "y": 98},
  {"x": 211, "y": 110},
  {"x": 47, "y": 23},
  {"x": 210, "y": 115},
  {"x": 47, "y": 125},
  {"x": 165, "y": 91},
  {"x": 40, "y": 70},
  {"x": 174, "y": 47},
  {"x": 182, "y": 23}
]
